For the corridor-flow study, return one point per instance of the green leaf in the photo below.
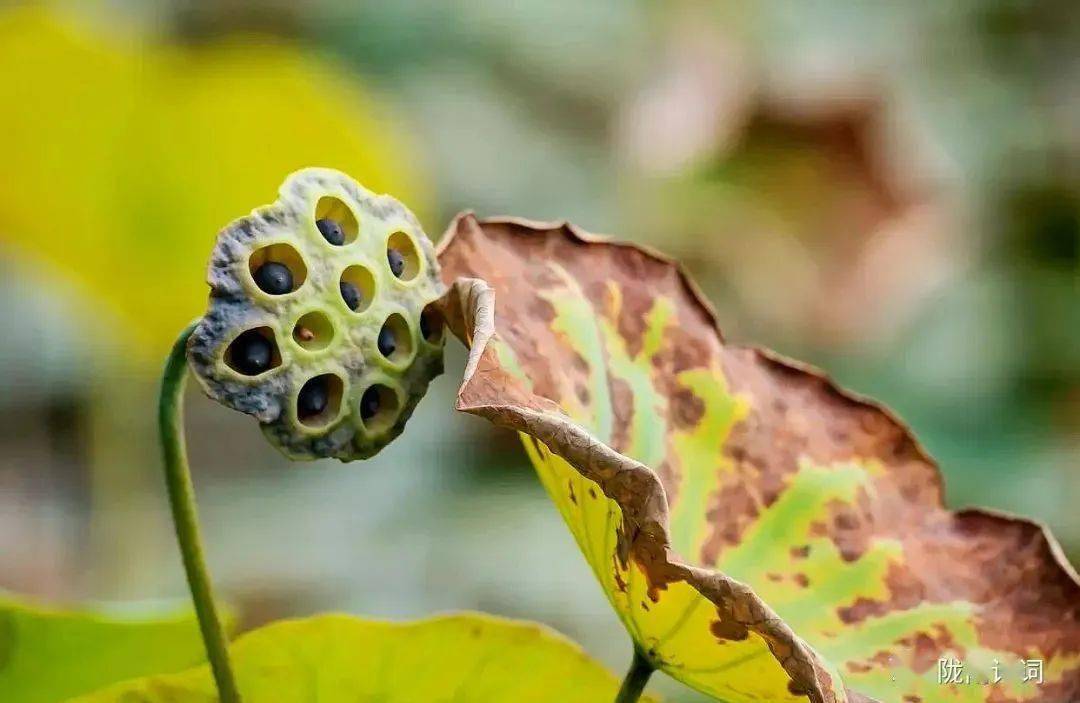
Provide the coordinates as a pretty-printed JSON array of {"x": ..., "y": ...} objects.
[
  {"x": 51, "y": 655},
  {"x": 467, "y": 658},
  {"x": 762, "y": 534}
]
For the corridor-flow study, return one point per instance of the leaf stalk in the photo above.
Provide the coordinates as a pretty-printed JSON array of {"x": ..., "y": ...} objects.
[
  {"x": 641, "y": 668},
  {"x": 185, "y": 517}
]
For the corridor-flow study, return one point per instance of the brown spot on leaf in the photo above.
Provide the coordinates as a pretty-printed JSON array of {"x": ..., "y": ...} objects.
[
  {"x": 632, "y": 317},
  {"x": 729, "y": 630},
  {"x": 624, "y": 407},
  {"x": 905, "y": 591},
  {"x": 927, "y": 649},
  {"x": 669, "y": 478},
  {"x": 849, "y": 530},
  {"x": 744, "y": 501},
  {"x": 537, "y": 445},
  {"x": 796, "y": 689},
  {"x": 654, "y": 587},
  {"x": 619, "y": 582},
  {"x": 686, "y": 409}
]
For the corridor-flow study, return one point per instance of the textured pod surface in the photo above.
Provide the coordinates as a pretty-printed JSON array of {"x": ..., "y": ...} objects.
[
  {"x": 307, "y": 363},
  {"x": 762, "y": 534}
]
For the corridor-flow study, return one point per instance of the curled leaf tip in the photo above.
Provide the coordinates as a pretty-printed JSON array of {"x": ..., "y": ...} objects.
[
  {"x": 320, "y": 322},
  {"x": 762, "y": 533}
]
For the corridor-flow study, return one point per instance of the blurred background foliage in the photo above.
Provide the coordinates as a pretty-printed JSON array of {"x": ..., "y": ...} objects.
[{"x": 889, "y": 190}]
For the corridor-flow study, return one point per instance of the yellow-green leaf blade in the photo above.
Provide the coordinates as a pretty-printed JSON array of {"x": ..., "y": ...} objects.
[
  {"x": 467, "y": 658},
  {"x": 50, "y": 655}
]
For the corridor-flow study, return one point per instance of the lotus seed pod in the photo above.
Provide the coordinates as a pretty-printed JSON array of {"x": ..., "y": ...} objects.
[{"x": 320, "y": 322}]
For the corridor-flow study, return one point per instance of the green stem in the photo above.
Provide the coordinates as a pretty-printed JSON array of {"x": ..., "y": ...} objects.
[
  {"x": 185, "y": 518},
  {"x": 636, "y": 678}
]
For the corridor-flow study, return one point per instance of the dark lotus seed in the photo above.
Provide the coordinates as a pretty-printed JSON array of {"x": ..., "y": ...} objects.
[
  {"x": 425, "y": 325},
  {"x": 251, "y": 353},
  {"x": 350, "y": 294},
  {"x": 396, "y": 260},
  {"x": 274, "y": 278},
  {"x": 369, "y": 403},
  {"x": 313, "y": 397},
  {"x": 387, "y": 343},
  {"x": 331, "y": 231}
]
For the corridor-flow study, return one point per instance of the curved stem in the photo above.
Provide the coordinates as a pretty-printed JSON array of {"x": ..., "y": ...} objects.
[
  {"x": 185, "y": 518},
  {"x": 636, "y": 678}
]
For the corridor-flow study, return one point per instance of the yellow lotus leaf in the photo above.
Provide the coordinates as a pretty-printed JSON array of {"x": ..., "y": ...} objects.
[
  {"x": 122, "y": 158},
  {"x": 470, "y": 657},
  {"x": 49, "y": 655}
]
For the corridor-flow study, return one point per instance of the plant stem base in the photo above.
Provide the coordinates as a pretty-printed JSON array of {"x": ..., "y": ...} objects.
[
  {"x": 186, "y": 519},
  {"x": 634, "y": 682}
]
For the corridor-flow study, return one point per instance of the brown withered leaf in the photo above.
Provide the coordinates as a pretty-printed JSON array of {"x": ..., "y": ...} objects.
[{"x": 762, "y": 534}]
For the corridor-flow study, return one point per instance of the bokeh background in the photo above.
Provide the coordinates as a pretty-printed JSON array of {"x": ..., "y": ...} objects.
[{"x": 888, "y": 190}]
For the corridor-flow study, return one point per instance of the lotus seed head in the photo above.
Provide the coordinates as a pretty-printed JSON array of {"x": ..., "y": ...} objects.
[{"x": 319, "y": 322}]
